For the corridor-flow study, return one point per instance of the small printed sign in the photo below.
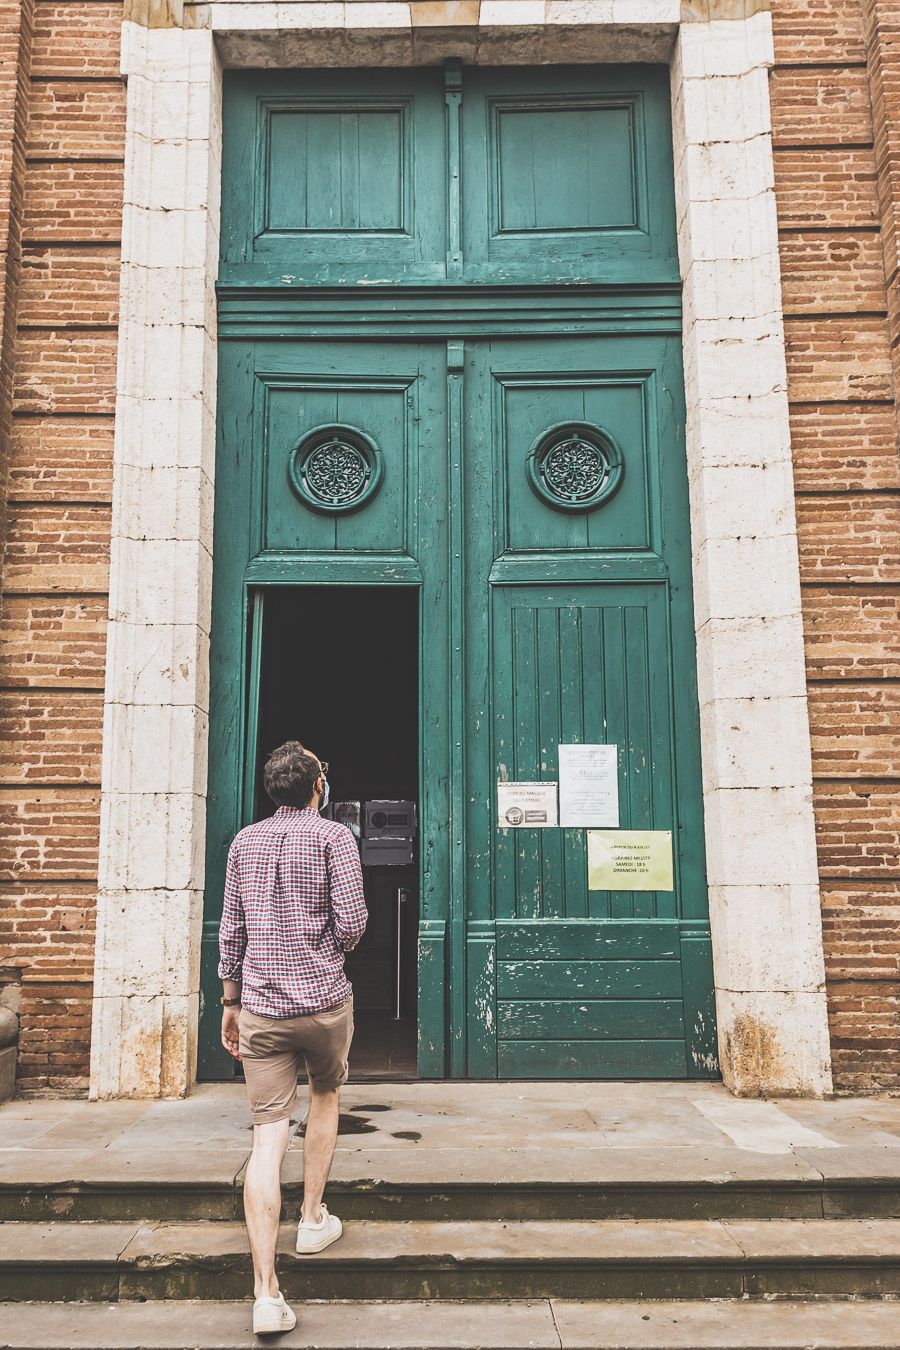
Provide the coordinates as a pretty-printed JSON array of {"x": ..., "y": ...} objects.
[
  {"x": 588, "y": 786},
  {"x": 630, "y": 860},
  {"x": 526, "y": 806}
]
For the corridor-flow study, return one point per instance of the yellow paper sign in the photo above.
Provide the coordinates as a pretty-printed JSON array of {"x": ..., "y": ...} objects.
[{"x": 630, "y": 860}]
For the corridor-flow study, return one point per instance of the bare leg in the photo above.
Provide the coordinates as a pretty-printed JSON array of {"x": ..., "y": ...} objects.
[
  {"x": 262, "y": 1202},
  {"x": 318, "y": 1149}
]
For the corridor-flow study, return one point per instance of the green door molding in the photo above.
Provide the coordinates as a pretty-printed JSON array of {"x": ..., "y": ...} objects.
[{"x": 488, "y": 345}]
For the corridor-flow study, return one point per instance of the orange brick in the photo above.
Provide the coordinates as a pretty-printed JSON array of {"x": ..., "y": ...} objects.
[
  {"x": 817, "y": 31},
  {"x": 72, "y": 38},
  {"x": 826, "y": 187},
  {"x": 56, "y": 642},
  {"x": 49, "y": 834},
  {"x": 66, "y": 371},
  {"x": 57, "y": 548},
  {"x": 855, "y": 730},
  {"x": 61, "y": 458},
  {"x": 844, "y": 445},
  {"x": 69, "y": 286},
  {"x": 852, "y": 537},
  {"x": 70, "y": 119},
  {"x": 831, "y": 273},
  {"x": 841, "y": 358},
  {"x": 79, "y": 202},
  {"x": 853, "y": 633},
  {"x": 50, "y": 737},
  {"x": 821, "y": 105}
]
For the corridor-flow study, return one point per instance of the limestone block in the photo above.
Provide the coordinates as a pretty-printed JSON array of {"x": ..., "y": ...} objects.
[
  {"x": 741, "y": 366},
  {"x": 521, "y": 13},
  {"x": 646, "y": 12},
  {"x": 743, "y": 500},
  {"x": 155, "y": 748},
  {"x": 156, "y": 238},
  {"x": 774, "y": 1043},
  {"x": 166, "y": 664},
  {"x": 9, "y": 1027},
  {"x": 143, "y": 1047},
  {"x": 727, "y": 108},
  {"x": 746, "y": 578},
  {"x": 163, "y": 502},
  {"x": 176, "y": 433},
  {"x": 727, "y": 430},
  {"x": 7, "y": 1073},
  {"x": 167, "y": 53},
  {"x": 384, "y": 15},
  {"x": 235, "y": 15},
  {"x": 760, "y": 837},
  {"x": 731, "y": 288},
  {"x": 756, "y": 742},
  {"x": 161, "y": 581},
  {"x": 166, "y": 295},
  {"x": 150, "y": 942},
  {"x": 168, "y": 175},
  {"x": 767, "y": 938},
  {"x": 162, "y": 361},
  {"x": 578, "y": 11},
  {"x": 151, "y": 841},
  {"x": 309, "y": 15},
  {"x": 725, "y": 169},
  {"x": 751, "y": 658},
  {"x": 724, "y": 47},
  {"x": 728, "y": 228}
]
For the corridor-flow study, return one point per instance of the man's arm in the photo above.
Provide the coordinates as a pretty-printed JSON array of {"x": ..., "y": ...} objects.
[
  {"x": 345, "y": 888},
  {"x": 232, "y": 945}
]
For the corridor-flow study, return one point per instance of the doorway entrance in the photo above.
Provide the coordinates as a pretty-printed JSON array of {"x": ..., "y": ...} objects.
[
  {"x": 336, "y": 667},
  {"x": 450, "y": 377}
]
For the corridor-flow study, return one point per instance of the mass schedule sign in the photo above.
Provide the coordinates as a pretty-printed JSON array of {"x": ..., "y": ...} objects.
[{"x": 588, "y": 786}]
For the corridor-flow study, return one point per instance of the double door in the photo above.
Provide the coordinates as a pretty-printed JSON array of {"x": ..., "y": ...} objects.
[
  {"x": 533, "y": 490},
  {"x": 450, "y": 360}
]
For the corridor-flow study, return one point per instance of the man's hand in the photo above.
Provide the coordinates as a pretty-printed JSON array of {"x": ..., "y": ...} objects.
[{"x": 230, "y": 1032}]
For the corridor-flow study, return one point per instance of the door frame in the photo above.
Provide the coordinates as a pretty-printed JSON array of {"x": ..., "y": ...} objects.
[{"x": 760, "y": 827}]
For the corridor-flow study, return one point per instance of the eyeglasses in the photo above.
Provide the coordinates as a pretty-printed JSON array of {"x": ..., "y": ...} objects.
[{"x": 323, "y": 768}]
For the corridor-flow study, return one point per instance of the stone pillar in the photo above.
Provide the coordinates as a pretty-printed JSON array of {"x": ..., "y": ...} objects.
[
  {"x": 757, "y": 772},
  {"x": 150, "y": 902}
]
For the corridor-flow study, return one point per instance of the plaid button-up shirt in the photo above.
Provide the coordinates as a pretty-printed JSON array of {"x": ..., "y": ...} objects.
[{"x": 293, "y": 906}]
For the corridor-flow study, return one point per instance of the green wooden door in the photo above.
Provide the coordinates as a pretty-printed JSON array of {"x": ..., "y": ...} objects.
[{"x": 497, "y": 322}]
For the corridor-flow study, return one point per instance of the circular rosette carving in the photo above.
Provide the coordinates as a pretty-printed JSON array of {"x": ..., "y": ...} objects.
[
  {"x": 575, "y": 467},
  {"x": 335, "y": 469}
]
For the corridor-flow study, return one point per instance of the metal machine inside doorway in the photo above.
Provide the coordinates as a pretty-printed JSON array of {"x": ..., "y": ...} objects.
[{"x": 336, "y": 667}]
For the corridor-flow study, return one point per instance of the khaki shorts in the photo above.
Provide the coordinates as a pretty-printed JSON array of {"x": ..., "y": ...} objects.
[{"x": 272, "y": 1048}]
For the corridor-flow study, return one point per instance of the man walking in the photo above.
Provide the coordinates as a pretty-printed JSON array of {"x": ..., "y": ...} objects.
[{"x": 293, "y": 906}]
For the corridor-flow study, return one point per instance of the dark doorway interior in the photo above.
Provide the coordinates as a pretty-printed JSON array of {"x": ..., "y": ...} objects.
[{"x": 340, "y": 673}]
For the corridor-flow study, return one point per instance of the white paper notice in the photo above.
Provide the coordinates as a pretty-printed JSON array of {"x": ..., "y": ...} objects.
[
  {"x": 526, "y": 806},
  {"x": 588, "y": 786}
]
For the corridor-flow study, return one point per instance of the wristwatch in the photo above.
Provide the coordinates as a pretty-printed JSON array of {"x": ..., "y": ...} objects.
[{"x": 229, "y": 1002}]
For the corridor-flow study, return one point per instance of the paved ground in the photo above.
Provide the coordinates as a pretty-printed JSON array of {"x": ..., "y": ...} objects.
[
  {"x": 416, "y": 1131},
  {"x": 536, "y": 1324}
]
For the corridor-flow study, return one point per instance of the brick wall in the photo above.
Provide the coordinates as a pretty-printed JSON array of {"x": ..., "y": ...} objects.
[
  {"x": 57, "y": 528},
  {"x": 60, "y": 203},
  {"x": 847, "y": 475}
]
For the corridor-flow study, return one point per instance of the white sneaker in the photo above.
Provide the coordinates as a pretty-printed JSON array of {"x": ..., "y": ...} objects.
[
  {"x": 271, "y": 1315},
  {"x": 315, "y": 1237}
]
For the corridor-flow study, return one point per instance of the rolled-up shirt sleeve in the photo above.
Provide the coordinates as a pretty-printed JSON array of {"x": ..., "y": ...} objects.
[
  {"x": 345, "y": 886},
  {"x": 233, "y": 927}
]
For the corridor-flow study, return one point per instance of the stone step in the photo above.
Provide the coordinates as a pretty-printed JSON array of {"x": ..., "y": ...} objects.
[
  {"x": 556, "y": 1324},
  {"x": 596, "y": 1259},
  {"x": 456, "y": 1183}
]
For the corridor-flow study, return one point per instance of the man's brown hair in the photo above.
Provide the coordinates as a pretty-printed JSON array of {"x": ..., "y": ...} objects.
[{"x": 290, "y": 774}]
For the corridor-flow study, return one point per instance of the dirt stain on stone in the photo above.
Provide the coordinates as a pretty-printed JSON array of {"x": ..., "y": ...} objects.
[
  {"x": 406, "y": 1134},
  {"x": 347, "y": 1124},
  {"x": 752, "y": 1056}
]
